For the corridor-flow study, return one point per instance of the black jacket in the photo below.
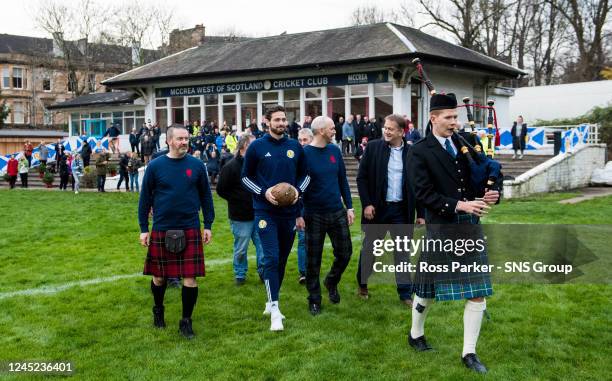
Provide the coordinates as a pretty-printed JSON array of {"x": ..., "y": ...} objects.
[
  {"x": 229, "y": 187},
  {"x": 439, "y": 181},
  {"x": 86, "y": 150},
  {"x": 523, "y": 130},
  {"x": 372, "y": 180},
  {"x": 123, "y": 163}
]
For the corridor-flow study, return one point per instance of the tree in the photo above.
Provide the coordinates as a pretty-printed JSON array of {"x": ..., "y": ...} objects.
[
  {"x": 4, "y": 112},
  {"x": 588, "y": 20},
  {"x": 66, "y": 24},
  {"x": 371, "y": 14}
]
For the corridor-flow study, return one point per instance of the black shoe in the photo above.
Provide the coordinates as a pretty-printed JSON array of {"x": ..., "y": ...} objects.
[
  {"x": 334, "y": 296},
  {"x": 302, "y": 279},
  {"x": 158, "y": 317},
  {"x": 472, "y": 362},
  {"x": 185, "y": 328},
  {"x": 419, "y": 344},
  {"x": 314, "y": 308},
  {"x": 240, "y": 281}
]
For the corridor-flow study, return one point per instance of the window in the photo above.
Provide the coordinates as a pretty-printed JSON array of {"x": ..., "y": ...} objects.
[
  {"x": 178, "y": 114},
  {"x": 383, "y": 101},
  {"x": 6, "y": 78},
  {"x": 47, "y": 117},
  {"x": 230, "y": 112},
  {"x": 18, "y": 113},
  {"x": 17, "y": 78},
  {"x": 46, "y": 84},
  {"x": 269, "y": 100},
  {"x": 211, "y": 110},
  {"x": 292, "y": 105},
  {"x": 161, "y": 113},
  {"x": 91, "y": 82},
  {"x": 72, "y": 82},
  {"x": 360, "y": 102},
  {"x": 313, "y": 106},
  {"x": 248, "y": 109},
  {"x": 335, "y": 102}
]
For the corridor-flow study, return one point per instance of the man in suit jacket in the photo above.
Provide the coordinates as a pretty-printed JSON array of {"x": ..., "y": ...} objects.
[
  {"x": 440, "y": 175},
  {"x": 412, "y": 135},
  {"x": 386, "y": 199},
  {"x": 519, "y": 133}
]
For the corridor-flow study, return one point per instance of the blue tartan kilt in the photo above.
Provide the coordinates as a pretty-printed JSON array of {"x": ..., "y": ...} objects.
[{"x": 457, "y": 285}]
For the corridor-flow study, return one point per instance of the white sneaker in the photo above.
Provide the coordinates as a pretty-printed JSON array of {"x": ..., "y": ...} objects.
[
  {"x": 268, "y": 309},
  {"x": 276, "y": 319},
  {"x": 513, "y": 156},
  {"x": 76, "y": 192},
  {"x": 521, "y": 157}
]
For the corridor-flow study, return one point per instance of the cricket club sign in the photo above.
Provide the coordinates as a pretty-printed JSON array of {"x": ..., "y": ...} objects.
[{"x": 275, "y": 84}]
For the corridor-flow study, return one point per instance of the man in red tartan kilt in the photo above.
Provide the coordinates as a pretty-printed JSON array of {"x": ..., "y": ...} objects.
[{"x": 176, "y": 187}]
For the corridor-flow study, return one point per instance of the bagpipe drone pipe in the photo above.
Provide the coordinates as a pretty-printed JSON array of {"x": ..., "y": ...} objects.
[{"x": 485, "y": 173}]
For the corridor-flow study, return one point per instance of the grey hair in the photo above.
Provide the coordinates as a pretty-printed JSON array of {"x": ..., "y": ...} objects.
[
  {"x": 319, "y": 123},
  {"x": 170, "y": 131},
  {"x": 305, "y": 131},
  {"x": 243, "y": 141}
]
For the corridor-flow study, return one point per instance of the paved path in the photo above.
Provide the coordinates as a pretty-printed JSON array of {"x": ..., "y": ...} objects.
[{"x": 589, "y": 194}]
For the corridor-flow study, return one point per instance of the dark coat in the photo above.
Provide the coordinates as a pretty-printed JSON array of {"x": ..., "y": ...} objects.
[
  {"x": 133, "y": 139},
  {"x": 229, "y": 187},
  {"x": 439, "y": 181},
  {"x": 372, "y": 180},
  {"x": 339, "y": 131},
  {"x": 413, "y": 136},
  {"x": 516, "y": 142},
  {"x": 372, "y": 131},
  {"x": 86, "y": 150}
]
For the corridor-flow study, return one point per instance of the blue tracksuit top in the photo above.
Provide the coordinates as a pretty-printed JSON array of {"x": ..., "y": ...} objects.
[{"x": 269, "y": 161}]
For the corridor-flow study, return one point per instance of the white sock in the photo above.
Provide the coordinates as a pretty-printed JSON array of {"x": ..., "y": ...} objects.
[
  {"x": 420, "y": 308},
  {"x": 472, "y": 318}
]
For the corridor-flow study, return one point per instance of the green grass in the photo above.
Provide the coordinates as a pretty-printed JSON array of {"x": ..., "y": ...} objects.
[{"x": 51, "y": 238}]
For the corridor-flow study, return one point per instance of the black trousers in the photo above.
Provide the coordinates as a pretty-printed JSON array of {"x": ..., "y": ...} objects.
[
  {"x": 123, "y": 176},
  {"x": 135, "y": 148},
  {"x": 12, "y": 181},
  {"x": 391, "y": 214},
  {"x": 101, "y": 182},
  {"x": 86, "y": 161},
  {"x": 64, "y": 180},
  {"x": 317, "y": 226},
  {"x": 24, "y": 180}
]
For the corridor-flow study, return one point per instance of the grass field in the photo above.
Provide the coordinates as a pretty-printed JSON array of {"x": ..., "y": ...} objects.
[{"x": 51, "y": 241}]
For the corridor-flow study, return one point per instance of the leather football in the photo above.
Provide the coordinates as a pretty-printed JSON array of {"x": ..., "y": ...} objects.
[{"x": 284, "y": 193}]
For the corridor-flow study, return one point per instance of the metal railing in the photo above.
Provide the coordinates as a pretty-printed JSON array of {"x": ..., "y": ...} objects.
[{"x": 592, "y": 138}]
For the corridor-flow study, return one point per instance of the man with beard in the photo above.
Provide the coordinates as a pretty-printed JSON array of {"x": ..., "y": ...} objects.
[
  {"x": 176, "y": 187},
  {"x": 271, "y": 160}
]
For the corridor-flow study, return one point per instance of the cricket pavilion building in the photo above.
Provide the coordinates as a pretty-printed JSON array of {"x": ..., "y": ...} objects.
[{"x": 363, "y": 70}]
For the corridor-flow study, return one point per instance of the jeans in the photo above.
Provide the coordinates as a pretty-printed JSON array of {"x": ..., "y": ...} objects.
[
  {"x": 244, "y": 232},
  {"x": 301, "y": 249},
  {"x": 134, "y": 182},
  {"x": 77, "y": 181}
]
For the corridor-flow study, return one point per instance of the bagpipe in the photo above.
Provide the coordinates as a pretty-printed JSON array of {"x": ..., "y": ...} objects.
[{"x": 485, "y": 173}]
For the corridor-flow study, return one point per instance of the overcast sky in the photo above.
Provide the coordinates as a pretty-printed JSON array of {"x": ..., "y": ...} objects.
[{"x": 253, "y": 17}]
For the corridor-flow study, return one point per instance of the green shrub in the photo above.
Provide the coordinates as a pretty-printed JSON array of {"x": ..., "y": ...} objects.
[{"x": 599, "y": 115}]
